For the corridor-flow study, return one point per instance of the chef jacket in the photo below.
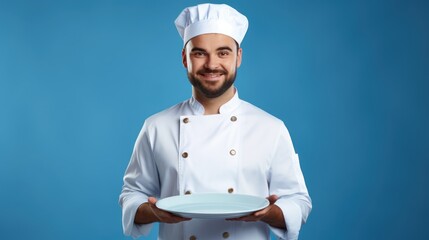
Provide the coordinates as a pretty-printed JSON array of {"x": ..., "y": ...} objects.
[{"x": 241, "y": 150}]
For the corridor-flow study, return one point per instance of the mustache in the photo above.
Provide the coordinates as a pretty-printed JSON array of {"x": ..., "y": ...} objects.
[{"x": 215, "y": 71}]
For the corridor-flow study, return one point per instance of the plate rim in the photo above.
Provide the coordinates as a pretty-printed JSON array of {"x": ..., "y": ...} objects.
[{"x": 205, "y": 215}]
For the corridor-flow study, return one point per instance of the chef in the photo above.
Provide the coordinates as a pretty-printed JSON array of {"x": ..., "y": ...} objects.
[{"x": 214, "y": 143}]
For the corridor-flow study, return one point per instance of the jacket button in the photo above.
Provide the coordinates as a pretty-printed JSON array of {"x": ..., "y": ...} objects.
[
  {"x": 185, "y": 120},
  {"x": 233, "y": 118},
  {"x": 192, "y": 237},
  {"x": 184, "y": 154},
  {"x": 230, "y": 190},
  {"x": 225, "y": 235},
  {"x": 232, "y": 152},
  {"x": 187, "y": 192}
]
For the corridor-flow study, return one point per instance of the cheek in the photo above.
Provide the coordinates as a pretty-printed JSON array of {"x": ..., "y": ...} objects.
[
  {"x": 190, "y": 67},
  {"x": 194, "y": 65},
  {"x": 232, "y": 66}
]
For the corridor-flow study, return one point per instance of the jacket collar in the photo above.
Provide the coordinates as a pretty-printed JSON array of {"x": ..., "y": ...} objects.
[{"x": 228, "y": 107}]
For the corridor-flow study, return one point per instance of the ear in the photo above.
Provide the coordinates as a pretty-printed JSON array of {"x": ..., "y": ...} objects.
[
  {"x": 239, "y": 56},
  {"x": 184, "y": 61}
]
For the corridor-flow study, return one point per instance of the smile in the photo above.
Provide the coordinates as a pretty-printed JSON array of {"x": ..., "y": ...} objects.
[{"x": 211, "y": 76}]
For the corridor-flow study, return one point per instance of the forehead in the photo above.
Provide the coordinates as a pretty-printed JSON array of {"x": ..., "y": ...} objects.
[{"x": 211, "y": 41}]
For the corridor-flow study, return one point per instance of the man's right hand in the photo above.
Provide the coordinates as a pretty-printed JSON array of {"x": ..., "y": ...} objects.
[{"x": 149, "y": 213}]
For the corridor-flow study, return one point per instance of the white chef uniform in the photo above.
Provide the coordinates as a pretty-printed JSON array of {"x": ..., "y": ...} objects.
[{"x": 242, "y": 150}]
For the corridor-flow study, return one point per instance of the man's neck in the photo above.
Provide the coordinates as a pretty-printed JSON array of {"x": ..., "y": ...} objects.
[{"x": 212, "y": 105}]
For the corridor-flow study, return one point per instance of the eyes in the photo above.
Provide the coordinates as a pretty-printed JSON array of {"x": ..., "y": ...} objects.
[
  {"x": 202, "y": 54},
  {"x": 224, "y": 53},
  {"x": 198, "y": 54}
]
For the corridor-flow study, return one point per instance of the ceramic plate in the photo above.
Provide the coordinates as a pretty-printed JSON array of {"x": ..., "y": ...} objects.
[{"x": 212, "y": 205}]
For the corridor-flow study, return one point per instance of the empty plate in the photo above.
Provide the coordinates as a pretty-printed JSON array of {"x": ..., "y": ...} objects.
[{"x": 212, "y": 205}]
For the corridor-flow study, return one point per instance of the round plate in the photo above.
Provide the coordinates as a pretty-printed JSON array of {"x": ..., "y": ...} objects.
[{"x": 212, "y": 205}]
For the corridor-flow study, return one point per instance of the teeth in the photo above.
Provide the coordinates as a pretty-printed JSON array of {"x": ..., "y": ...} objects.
[{"x": 212, "y": 75}]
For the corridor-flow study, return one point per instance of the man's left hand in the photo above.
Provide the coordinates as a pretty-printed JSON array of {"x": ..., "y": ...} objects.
[{"x": 271, "y": 215}]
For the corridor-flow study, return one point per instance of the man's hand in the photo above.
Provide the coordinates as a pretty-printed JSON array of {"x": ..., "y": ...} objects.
[
  {"x": 271, "y": 215},
  {"x": 149, "y": 213}
]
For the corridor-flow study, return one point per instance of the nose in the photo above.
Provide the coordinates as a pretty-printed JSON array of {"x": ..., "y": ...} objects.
[{"x": 212, "y": 62}]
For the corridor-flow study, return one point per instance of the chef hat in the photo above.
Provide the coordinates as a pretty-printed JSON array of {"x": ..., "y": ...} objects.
[{"x": 211, "y": 18}]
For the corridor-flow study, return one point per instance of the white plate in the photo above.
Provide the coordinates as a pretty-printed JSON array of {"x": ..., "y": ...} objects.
[{"x": 212, "y": 205}]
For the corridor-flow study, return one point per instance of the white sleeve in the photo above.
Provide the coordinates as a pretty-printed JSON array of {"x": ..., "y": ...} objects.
[
  {"x": 287, "y": 182},
  {"x": 141, "y": 180}
]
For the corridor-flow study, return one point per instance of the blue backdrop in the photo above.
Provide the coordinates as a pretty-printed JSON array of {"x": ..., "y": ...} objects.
[{"x": 349, "y": 78}]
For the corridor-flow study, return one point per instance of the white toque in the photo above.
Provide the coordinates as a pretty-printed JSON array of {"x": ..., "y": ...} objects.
[{"x": 211, "y": 18}]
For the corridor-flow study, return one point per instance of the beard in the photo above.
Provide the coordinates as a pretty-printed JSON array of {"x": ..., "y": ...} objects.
[{"x": 212, "y": 92}]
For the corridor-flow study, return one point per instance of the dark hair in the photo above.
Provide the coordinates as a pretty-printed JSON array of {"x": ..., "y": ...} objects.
[{"x": 236, "y": 44}]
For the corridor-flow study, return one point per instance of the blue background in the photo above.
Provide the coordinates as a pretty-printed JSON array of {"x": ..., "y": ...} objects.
[{"x": 349, "y": 78}]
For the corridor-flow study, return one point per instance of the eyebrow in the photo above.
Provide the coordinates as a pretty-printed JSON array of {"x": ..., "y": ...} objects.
[
  {"x": 197, "y": 49},
  {"x": 224, "y": 48}
]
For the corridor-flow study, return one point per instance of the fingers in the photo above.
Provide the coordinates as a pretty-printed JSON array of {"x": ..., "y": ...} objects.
[
  {"x": 272, "y": 199},
  {"x": 257, "y": 216},
  {"x": 167, "y": 217},
  {"x": 163, "y": 216},
  {"x": 152, "y": 200},
  {"x": 171, "y": 218},
  {"x": 262, "y": 212}
]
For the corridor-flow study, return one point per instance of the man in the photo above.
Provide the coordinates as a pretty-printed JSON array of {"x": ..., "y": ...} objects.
[{"x": 214, "y": 142}]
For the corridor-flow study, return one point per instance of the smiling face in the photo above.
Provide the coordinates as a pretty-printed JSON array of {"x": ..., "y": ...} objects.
[{"x": 212, "y": 61}]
